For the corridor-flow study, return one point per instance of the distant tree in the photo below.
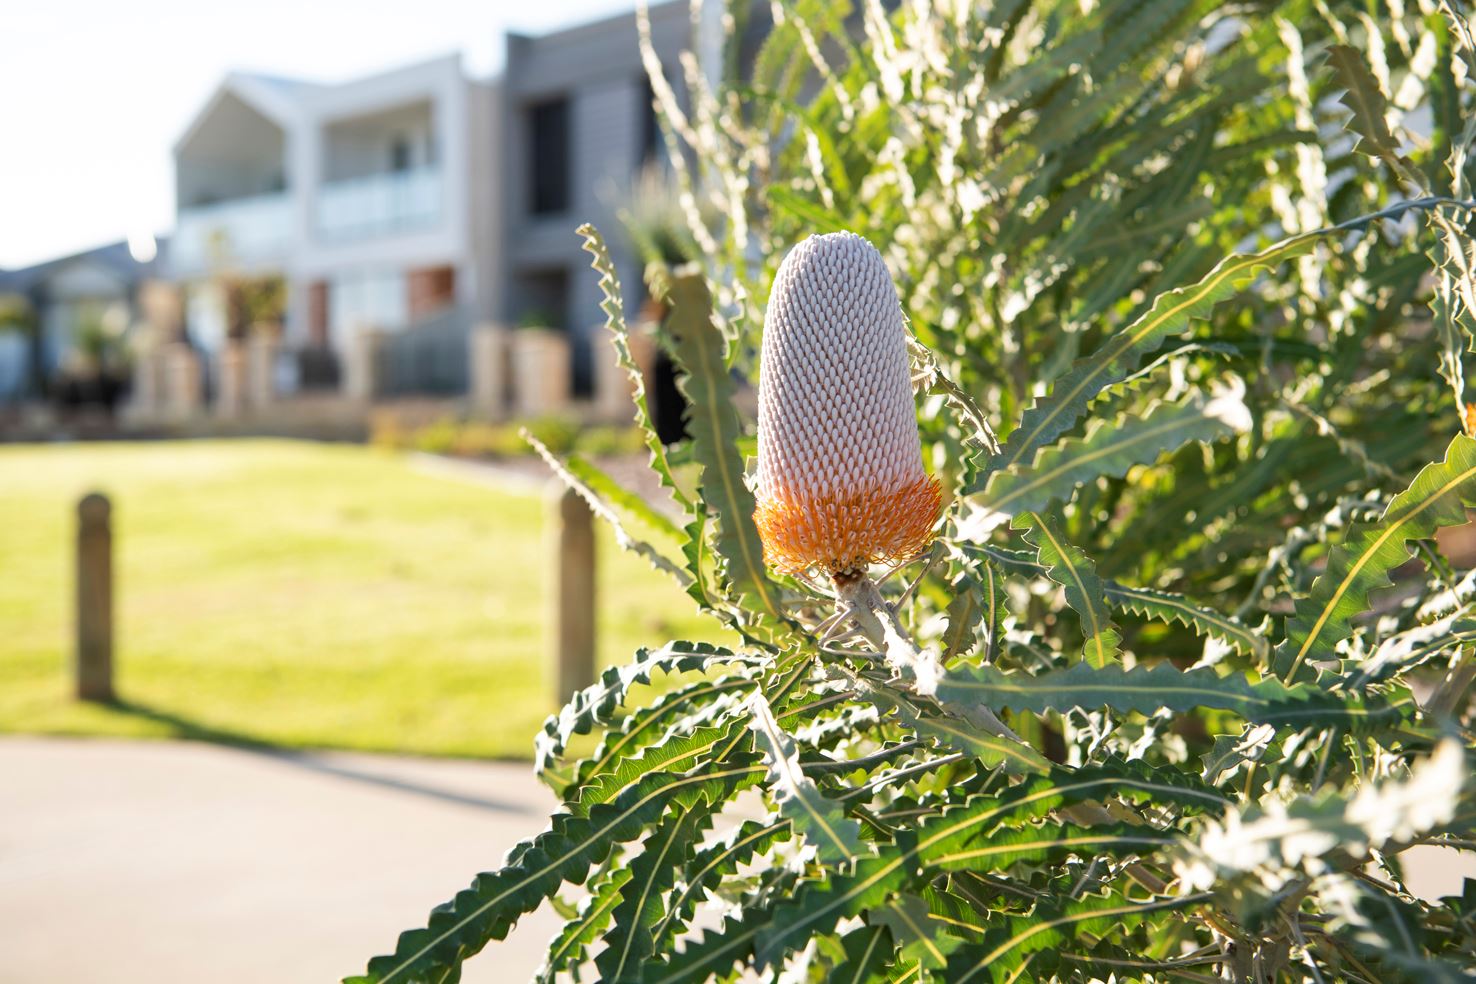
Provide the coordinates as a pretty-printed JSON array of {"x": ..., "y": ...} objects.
[{"x": 18, "y": 316}]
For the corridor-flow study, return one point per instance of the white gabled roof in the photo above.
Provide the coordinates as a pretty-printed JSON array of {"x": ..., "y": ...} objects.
[
  {"x": 285, "y": 101},
  {"x": 278, "y": 99}
]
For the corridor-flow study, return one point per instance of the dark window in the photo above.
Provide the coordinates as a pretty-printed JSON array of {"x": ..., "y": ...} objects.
[
  {"x": 400, "y": 155},
  {"x": 544, "y": 301},
  {"x": 548, "y": 125}
]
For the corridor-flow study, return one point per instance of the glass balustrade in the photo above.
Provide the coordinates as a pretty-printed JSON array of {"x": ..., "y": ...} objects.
[
  {"x": 261, "y": 229},
  {"x": 381, "y": 204}
]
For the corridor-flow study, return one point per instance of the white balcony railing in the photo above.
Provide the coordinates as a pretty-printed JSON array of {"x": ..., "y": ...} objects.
[
  {"x": 378, "y": 205},
  {"x": 243, "y": 230}
]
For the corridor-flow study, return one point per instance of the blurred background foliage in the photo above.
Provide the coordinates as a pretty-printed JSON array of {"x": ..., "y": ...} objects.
[{"x": 1037, "y": 174}]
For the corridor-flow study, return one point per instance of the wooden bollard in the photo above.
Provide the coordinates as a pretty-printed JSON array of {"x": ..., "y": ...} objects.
[
  {"x": 571, "y": 538},
  {"x": 94, "y": 655}
]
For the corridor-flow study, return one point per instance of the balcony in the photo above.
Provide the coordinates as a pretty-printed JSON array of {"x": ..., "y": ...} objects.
[
  {"x": 249, "y": 231},
  {"x": 379, "y": 204}
]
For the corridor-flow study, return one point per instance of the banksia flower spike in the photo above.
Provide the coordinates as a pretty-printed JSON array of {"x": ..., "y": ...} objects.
[{"x": 840, "y": 473}]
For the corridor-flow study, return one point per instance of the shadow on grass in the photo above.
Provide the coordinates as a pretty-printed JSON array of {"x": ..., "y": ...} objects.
[{"x": 321, "y": 762}]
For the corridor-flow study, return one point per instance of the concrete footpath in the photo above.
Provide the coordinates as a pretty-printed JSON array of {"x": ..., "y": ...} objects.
[
  {"x": 132, "y": 862},
  {"x": 127, "y": 862}
]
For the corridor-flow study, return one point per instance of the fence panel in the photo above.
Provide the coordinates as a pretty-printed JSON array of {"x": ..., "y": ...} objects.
[{"x": 428, "y": 358}]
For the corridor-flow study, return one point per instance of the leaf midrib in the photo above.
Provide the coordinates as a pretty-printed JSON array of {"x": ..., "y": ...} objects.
[
  {"x": 1126, "y": 341},
  {"x": 1083, "y": 459},
  {"x": 1363, "y": 560}
]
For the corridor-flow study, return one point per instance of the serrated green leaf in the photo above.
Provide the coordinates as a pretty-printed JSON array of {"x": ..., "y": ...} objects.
[
  {"x": 700, "y": 562},
  {"x": 574, "y": 473},
  {"x": 916, "y": 937},
  {"x": 594, "y": 704},
  {"x": 1171, "y": 313},
  {"x": 694, "y": 704},
  {"x": 568, "y": 948},
  {"x": 982, "y": 819},
  {"x": 614, "y": 308},
  {"x": 643, "y": 899},
  {"x": 1148, "y": 689},
  {"x": 617, "y": 495},
  {"x": 1231, "y": 751},
  {"x": 929, "y": 376},
  {"x": 1009, "y": 948},
  {"x": 960, "y": 908},
  {"x": 868, "y": 951},
  {"x": 564, "y": 853},
  {"x": 1069, "y": 567},
  {"x": 1453, "y": 303},
  {"x": 1438, "y": 497},
  {"x": 820, "y": 821},
  {"x": 966, "y": 611},
  {"x": 767, "y": 933},
  {"x": 1369, "y": 106},
  {"x": 1041, "y": 842},
  {"x": 711, "y": 866},
  {"x": 1109, "y": 448},
  {"x": 1163, "y": 606},
  {"x": 990, "y": 749},
  {"x": 678, "y": 753},
  {"x": 816, "y": 908},
  {"x": 996, "y": 608},
  {"x": 713, "y": 423}
]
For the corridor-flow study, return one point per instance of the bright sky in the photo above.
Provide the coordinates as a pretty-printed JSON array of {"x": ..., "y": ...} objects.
[{"x": 97, "y": 91}]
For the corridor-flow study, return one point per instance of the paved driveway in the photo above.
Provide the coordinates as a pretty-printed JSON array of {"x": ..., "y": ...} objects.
[{"x": 127, "y": 862}]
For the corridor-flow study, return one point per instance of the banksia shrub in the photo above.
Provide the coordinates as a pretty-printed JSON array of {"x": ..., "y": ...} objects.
[
  {"x": 841, "y": 484},
  {"x": 1146, "y": 708}
]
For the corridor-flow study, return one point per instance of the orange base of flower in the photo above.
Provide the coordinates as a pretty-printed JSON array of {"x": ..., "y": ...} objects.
[{"x": 846, "y": 533}]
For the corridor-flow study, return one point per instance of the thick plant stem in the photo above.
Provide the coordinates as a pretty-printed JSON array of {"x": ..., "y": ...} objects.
[
  {"x": 862, "y": 603},
  {"x": 878, "y": 622}
]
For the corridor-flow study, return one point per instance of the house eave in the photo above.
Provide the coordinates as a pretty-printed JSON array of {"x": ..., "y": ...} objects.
[{"x": 273, "y": 105}]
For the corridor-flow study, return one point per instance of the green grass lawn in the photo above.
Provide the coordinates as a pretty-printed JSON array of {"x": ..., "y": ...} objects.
[{"x": 301, "y": 595}]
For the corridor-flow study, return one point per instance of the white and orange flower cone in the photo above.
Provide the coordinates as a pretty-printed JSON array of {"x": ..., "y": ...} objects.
[{"x": 840, "y": 481}]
